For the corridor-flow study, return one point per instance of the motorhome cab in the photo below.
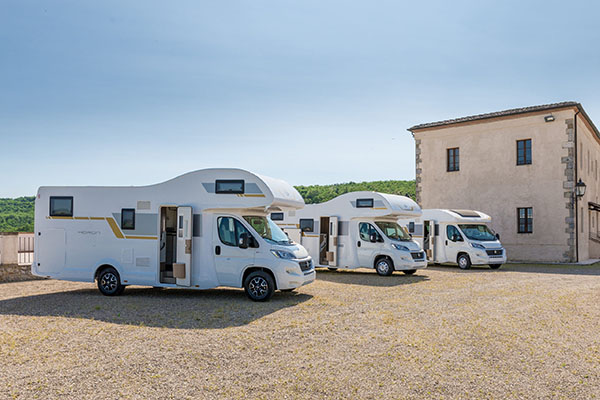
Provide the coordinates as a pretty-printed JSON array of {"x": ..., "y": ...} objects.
[
  {"x": 357, "y": 229},
  {"x": 460, "y": 237},
  {"x": 201, "y": 230}
]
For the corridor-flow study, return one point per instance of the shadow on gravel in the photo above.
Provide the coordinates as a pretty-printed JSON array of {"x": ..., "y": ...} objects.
[
  {"x": 368, "y": 277},
  {"x": 168, "y": 308},
  {"x": 560, "y": 269}
]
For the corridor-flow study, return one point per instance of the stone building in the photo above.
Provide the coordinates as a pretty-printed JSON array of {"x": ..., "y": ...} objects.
[{"x": 521, "y": 167}]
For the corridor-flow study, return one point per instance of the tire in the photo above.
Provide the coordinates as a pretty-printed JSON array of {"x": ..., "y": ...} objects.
[
  {"x": 464, "y": 261},
  {"x": 495, "y": 266},
  {"x": 259, "y": 286},
  {"x": 109, "y": 282},
  {"x": 332, "y": 268},
  {"x": 384, "y": 266},
  {"x": 409, "y": 271}
]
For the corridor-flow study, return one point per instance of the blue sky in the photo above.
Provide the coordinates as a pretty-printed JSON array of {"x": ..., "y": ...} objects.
[{"x": 133, "y": 93}]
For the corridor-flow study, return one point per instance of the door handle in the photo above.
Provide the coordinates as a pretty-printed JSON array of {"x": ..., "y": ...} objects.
[
  {"x": 358, "y": 244},
  {"x": 218, "y": 250},
  {"x": 446, "y": 243}
]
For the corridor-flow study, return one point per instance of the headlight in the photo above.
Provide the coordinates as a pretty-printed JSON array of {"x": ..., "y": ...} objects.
[
  {"x": 286, "y": 255},
  {"x": 478, "y": 246},
  {"x": 400, "y": 247}
]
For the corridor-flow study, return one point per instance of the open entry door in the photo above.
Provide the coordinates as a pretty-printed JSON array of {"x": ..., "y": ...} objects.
[
  {"x": 333, "y": 241},
  {"x": 429, "y": 239},
  {"x": 183, "y": 269}
]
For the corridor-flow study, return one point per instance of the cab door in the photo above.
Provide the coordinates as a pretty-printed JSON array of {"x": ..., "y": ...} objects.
[
  {"x": 230, "y": 258},
  {"x": 333, "y": 242},
  {"x": 184, "y": 243},
  {"x": 453, "y": 243},
  {"x": 366, "y": 249}
]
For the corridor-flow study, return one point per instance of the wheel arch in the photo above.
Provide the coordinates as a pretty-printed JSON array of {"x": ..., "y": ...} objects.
[
  {"x": 380, "y": 256},
  {"x": 251, "y": 268},
  {"x": 107, "y": 264}
]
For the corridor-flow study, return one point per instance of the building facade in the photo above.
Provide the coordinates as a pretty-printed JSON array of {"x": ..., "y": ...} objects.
[{"x": 521, "y": 167}]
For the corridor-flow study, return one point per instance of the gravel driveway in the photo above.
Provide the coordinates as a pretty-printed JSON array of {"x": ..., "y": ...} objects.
[{"x": 519, "y": 332}]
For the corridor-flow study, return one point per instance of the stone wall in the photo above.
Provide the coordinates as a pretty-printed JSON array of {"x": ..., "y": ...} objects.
[{"x": 15, "y": 273}]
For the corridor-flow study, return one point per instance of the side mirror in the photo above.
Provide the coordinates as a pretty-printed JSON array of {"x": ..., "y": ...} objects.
[
  {"x": 373, "y": 238},
  {"x": 498, "y": 236},
  {"x": 455, "y": 238},
  {"x": 244, "y": 241}
]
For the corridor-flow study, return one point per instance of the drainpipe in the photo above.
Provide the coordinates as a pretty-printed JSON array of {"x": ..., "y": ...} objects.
[{"x": 576, "y": 160}]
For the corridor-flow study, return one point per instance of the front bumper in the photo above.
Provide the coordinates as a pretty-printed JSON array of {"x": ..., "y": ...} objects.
[
  {"x": 292, "y": 277},
  {"x": 482, "y": 258},
  {"x": 405, "y": 261}
]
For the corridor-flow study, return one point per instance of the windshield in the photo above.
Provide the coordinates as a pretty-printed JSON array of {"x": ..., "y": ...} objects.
[
  {"x": 268, "y": 230},
  {"x": 394, "y": 231},
  {"x": 477, "y": 232}
]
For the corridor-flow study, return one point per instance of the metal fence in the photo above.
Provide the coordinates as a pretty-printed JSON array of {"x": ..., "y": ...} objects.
[{"x": 25, "y": 252}]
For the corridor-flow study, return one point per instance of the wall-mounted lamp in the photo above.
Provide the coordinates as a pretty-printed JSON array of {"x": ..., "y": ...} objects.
[
  {"x": 549, "y": 118},
  {"x": 580, "y": 188}
]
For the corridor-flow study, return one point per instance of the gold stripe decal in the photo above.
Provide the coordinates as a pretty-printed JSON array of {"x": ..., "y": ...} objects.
[
  {"x": 97, "y": 218},
  {"x": 142, "y": 237},
  {"x": 254, "y": 195},
  {"x": 115, "y": 228}
]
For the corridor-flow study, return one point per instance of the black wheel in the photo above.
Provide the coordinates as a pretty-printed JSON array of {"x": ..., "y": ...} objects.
[
  {"x": 409, "y": 271},
  {"x": 109, "y": 282},
  {"x": 464, "y": 261},
  {"x": 287, "y": 290},
  {"x": 384, "y": 266},
  {"x": 495, "y": 266},
  {"x": 332, "y": 268},
  {"x": 259, "y": 286}
]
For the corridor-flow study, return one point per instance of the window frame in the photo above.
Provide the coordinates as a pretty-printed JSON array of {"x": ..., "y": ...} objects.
[
  {"x": 123, "y": 210},
  {"x": 372, "y": 229},
  {"x": 453, "y": 166},
  {"x": 369, "y": 201},
  {"x": 460, "y": 236},
  {"x": 51, "y": 214},
  {"x": 305, "y": 229},
  {"x": 253, "y": 241},
  {"x": 231, "y": 181},
  {"x": 526, "y": 161},
  {"x": 528, "y": 227},
  {"x": 277, "y": 214}
]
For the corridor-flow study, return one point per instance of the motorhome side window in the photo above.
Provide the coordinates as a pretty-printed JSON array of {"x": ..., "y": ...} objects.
[
  {"x": 128, "y": 218},
  {"x": 231, "y": 186},
  {"x": 277, "y": 216},
  {"x": 230, "y": 230},
  {"x": 453, "y": 234},
  {"x": 61, "y": 206},
  {"x": 307, "y": 225},
  {"x": 364, "y": 203}
]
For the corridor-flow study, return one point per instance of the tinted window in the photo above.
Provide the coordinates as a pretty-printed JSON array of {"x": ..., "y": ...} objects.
[
  {"x": 128, "y": 218},
  {"x": 452, "y": 232},
  {"x": 307, "y": 225},
  {"x": 230, "y": 230},
  {"x": 229, "y": 186},
  {"x": 61, "y": 206},
  {"x": 277, "y": 216},
  {"x": 365, "y": 230},
  {"x": 364, "y": 203}
]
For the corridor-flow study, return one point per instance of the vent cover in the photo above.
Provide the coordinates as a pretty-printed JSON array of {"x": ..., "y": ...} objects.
[{"x": 143, "y": 205}]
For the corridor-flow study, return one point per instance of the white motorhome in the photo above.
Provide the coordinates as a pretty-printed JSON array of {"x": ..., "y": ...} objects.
[
  {"x": 357, "y": 229},
  {"x": 201, "y": 230},
  {"x": 459, "y": 237}
]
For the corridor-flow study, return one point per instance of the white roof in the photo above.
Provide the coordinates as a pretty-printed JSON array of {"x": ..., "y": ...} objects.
[
  {"x": 458, "y": 216},
  {"x": 383, "y": 205}
]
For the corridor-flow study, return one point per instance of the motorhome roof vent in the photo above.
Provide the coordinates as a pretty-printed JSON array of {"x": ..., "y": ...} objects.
[{"x": 466, "y": 213}]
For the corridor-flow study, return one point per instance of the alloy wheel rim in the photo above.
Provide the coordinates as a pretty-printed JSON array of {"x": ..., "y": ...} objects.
[
  {"x": 462, "y": 262},
  {"x": 109, "y": 282},
  {"x": 258, "y": 287}
]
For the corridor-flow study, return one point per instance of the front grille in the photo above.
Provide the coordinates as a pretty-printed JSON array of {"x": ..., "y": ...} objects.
[
  {"x": 418, "y": 255},
  {"x": 306, "y": 265},
  {"x": 494, "y": 253}
]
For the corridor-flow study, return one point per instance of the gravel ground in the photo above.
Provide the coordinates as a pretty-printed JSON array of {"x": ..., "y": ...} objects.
[{"x": 519, "y": 332}]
